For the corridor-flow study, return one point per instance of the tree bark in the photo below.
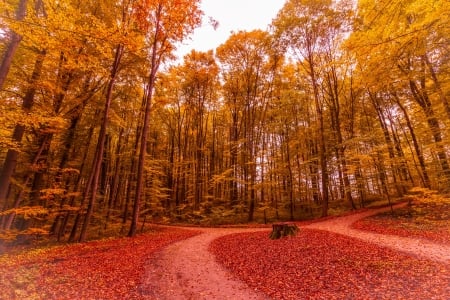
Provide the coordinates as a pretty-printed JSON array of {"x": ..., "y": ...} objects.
[
  {"x": 154, "y": 66},
  {"x": 422, "y": 99},
  {"x": 13, "y": 44},
  {"x": 101, "y": 143},
  {"x": 280, "y": 230},
  {"x": 12, "y": 155},
  {"x": 322, "y": 147},
  {"x": 425, "y": 177}
]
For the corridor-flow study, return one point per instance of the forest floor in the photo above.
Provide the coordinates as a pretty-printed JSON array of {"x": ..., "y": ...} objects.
[{"x": 328, "y": 259}]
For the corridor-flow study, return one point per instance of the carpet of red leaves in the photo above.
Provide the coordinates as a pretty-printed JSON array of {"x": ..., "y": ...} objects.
[
  {"x": 424, "y": 220},
  {"x": 107, "y": 269},
  {"x": 322, "y": 265},
  {"x": 397, "y": 227}
]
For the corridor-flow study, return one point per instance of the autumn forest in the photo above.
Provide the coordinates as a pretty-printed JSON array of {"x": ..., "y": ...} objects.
[{"x": 335, "y": 106}]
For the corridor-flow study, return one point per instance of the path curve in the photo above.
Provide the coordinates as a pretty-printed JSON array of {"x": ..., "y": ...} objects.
[
  {"x": 187, "y": 270},
  {"x": 416, "y": 247}
]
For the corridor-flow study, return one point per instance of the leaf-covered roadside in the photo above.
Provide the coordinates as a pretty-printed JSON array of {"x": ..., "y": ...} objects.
[
  {"x": 110, "y": 269},
  {"x": 426, "y": 218},
  {"x": 322, "y": 265},
  {"x": 402, "y": 227}
]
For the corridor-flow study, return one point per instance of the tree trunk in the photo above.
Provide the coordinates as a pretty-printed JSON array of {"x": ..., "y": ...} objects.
[
  {"x": 10, "y": 217},
  {"x": 13, "y": 44},
  {"x": 425, "y": 177},
  {"x": 322, "y": 147},
  {"x": 437, "y": 85},
  {"x": 280, "y": 230},
  {"x": 11, "y": 156},
  {"x": 154, "y": 66},
  {"x": 387, "y": 137},
  {"x": 97, "y": 163},
  {"x": 421, "y": 97},
  {"x": 73, "y": 232}
]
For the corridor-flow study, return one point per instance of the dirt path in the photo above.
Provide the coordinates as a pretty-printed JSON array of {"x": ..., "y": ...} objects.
[
  {"x": 186, "y": 269},
  {"x": 416, "y": 247}
]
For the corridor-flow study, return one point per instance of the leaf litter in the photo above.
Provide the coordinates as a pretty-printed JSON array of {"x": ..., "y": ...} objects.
[
  {"x": 322, "y": 265},
  {"x": 105, "y": 269}
]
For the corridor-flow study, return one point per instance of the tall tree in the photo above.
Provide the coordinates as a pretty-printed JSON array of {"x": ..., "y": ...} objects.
[
  {"x": 165, "y": 22},
  {"x": 309, "y": 28},
  {"x": 247, "y": 67},
  {"x": 27, "y": 102},
  {"x": 13, "y": 44},
  {"x": 409, "y": 37}
]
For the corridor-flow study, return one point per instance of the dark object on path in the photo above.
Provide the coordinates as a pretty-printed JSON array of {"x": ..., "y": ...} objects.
[{"x": 280, "y": 230}]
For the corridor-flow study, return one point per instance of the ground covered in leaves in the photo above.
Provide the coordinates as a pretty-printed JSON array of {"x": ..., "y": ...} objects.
[
  {"x": 427, "y": 218},
  {"x": 322, "y": 265},
  {"x": 313, "y": 265},
  {"x": 107, "y": 269}
]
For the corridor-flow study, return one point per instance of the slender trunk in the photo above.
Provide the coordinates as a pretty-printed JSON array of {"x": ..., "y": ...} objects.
[
  {"x": 13, "y": 44},
  {"x": 141, "y": 160},
  {"x": 425, "y": 177},
  {"x": 313, "y": 171},
  {"x": 77, "y": 188},
  {"x": 322, "y": 146},
  {"x": 437, "y": 85},
  {"x": 170, "y": 172},
  {"x": 347, "y": 186},
  {"x": 154, "y": 65},
  {"x": 290, "y": 178},
  {"x": 421, "y": 97},
  {"x": 233, "y": 159},
  {"x": 101, "y": 143},
  {"x": 105, "y": 167},
  {"x": 360, "y": 184},
  {"x": 10, "y": 218},
  {"x": 387, "y": 137},
  {"x": 383, "y": 178},
  {"x": 343, "y": 173},
  {"x": 69, "y": 139},
  {"x": 40, "y": 169},
  {"x": 81, "y": 212},
  {"x": 19, "y": 130},
  {"x": 115, "y": 179}
]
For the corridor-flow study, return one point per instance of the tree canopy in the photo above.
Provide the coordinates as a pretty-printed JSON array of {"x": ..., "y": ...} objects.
[{"x": 336, "y": 105}]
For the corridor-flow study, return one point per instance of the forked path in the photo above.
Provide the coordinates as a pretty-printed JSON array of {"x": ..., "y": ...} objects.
[{"x": 187, "y": 270}]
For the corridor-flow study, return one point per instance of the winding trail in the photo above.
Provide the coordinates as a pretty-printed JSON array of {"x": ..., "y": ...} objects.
[
  {"x": 187, "y": 270},
  {"x": 416, "y": 247}
]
